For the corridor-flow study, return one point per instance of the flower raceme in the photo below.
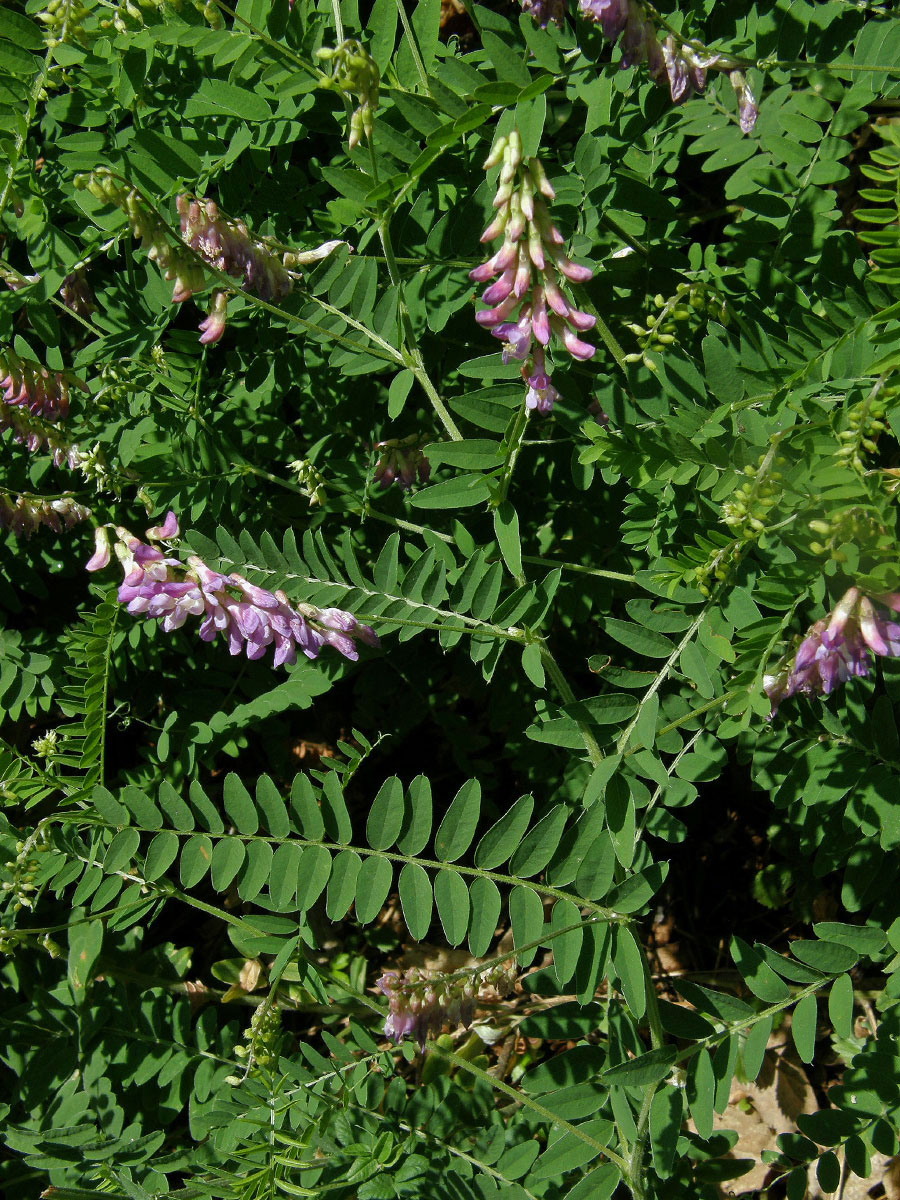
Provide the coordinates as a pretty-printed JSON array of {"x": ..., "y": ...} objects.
[
  {"x": 24, "y": 515},
  {"x": 421, "y": 1002},
  {"x": 527, "y": 304},
  {"x": 250, "y": 617},
  {"x": 675, "y": 62},
  {"x": 401, "y": 459},
  {"x": 28, "y": 385},
  {"x": 838, "y": 648}
]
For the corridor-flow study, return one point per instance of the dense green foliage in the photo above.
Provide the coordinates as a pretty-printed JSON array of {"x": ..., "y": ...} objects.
[{"x": 213, "y": 866}]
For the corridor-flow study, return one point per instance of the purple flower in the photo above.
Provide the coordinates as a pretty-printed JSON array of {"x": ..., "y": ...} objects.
[
  {"x": 527, "y": 303},
  {"x": 421, "y": 1002},
  {"x": 402, "y": 460},
  {"x": 251, "y": 618},
  {"x": 610, "y": 15},
  {"x": 838, "y": 648},
  {"x": 545, "y": 11},
  {"x": 747, "y": 106}
]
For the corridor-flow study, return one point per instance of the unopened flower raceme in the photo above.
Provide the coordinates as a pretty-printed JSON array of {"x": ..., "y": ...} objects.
[
  {"x": 838, "y": 648},
  {"x": 355, "y": 72},
  {"x": 251, "y": 618},
  {"x": 401, "y": 459},
  {"x": 421, "y": 1001},
  {"x": 672, "y": 61},
  {"x": 528, "y": 306}
]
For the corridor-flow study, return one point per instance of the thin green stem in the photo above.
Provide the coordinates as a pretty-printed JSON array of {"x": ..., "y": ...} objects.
[
  {"x": 413, "y": 46},
  {"x": 528, "y": 1102},
  {"x": 595, "y": 754},
  {"x": 338, "y": 21}
]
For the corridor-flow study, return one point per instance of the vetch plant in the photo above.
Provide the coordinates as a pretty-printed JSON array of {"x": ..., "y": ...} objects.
[{"x": 505, "y": 883}]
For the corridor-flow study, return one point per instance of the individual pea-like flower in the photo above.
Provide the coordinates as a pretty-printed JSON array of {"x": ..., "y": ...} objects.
[
  {"x": 251, "y": 618},
  {"x": 544, "y": 11},
  {"x": 26, "y": 514},
  {"x": 402, "y": 460},
  {"x": 528, "y": 306},
  {"x": 421, "y": 1002},
  {"x": 214, "y": 325},
  {"x": 747, "y": 104},
  {"x": 838, "y": 648}
]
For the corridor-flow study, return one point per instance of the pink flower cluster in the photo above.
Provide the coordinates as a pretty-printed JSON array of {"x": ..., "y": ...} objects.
[
  {"x": 527, "y": 303},
  {"x": 29, "y": 385},
  {"x": 250, "y": 617},
  {"x": 26, "y": 514},
  {"x": 33, "y": 433},
  {"x": 837, "y": 648},
  {"x": 679, "y": 64},
  {"x": 421, "y": 1002},
  {"x": 229, "y": 246}
]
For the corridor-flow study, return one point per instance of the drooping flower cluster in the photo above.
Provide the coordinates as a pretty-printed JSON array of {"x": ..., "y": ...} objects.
[
  {"x": 672, "y": 61},
  {"x": 528, "y": 306},
  {"x": 421, "y": 1001},
  {"x": 355, "y": 72},
  {"x": 29, "y": 385},
  {"x": 27, "y": 513},
  {"x": 33, "y": 433},
  {"x": 837, "y": 648},
  {"x": 223, "y": 242},
  {"x": 76, "y": 293},
  {"x": 251, "y": 618},
  {"x": 228, "y": 246},
  {"x": 402, "y": 460}
]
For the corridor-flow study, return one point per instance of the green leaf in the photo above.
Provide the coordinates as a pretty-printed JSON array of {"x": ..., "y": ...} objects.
[
  {"x": 196, "y": 859},
  {"x": 540, "y": 844},
  {"x": 803, "y": 1027},
  {"x": 506, "y": 531},
  {"x": 640, "y": 639},
  {"x": 758, "y": 976},
  {"x": 227, "y": 860},
  {"x": 342, "y": 884},
  {"x": 526, "y": 915},
  {"x": 386, "y": 815},
  {"x": 666, "y": 1116},
  {"x": 451, "y": 897},
  {"x": 646, "y": 1068},
  {"x": 272, "y": 807},
  {"x": 284, "y": 875},
  {"x": 313, "y": 872},
  {"x": 629, "y": 963},
  {"x": 504, "y": 835},
  {"x": 566, "y": 947},
  {"x": 829, "y": 957},
  {"x": 161, "y": 853},
  {"x": 85, "y": 943},
  {"x": 755, "y": 1047},
  {"x": 416, "y": 900},
  {"x": 121, "y": 850},
  {"x": 239, "y": 805},
  {"x": 474, "y": 454},
  {"x": 372, "y": 886},
  {"x": 840, "y": 1006},
  {"x": 598, "y": 1184},
  {"x": 458, "y": 827},
  {"x": 462, "y": 492},
  {"x": 701, "y": 1093},
  {"x": 485, "y": 905},
  {"x": 257, "y": 869}
]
